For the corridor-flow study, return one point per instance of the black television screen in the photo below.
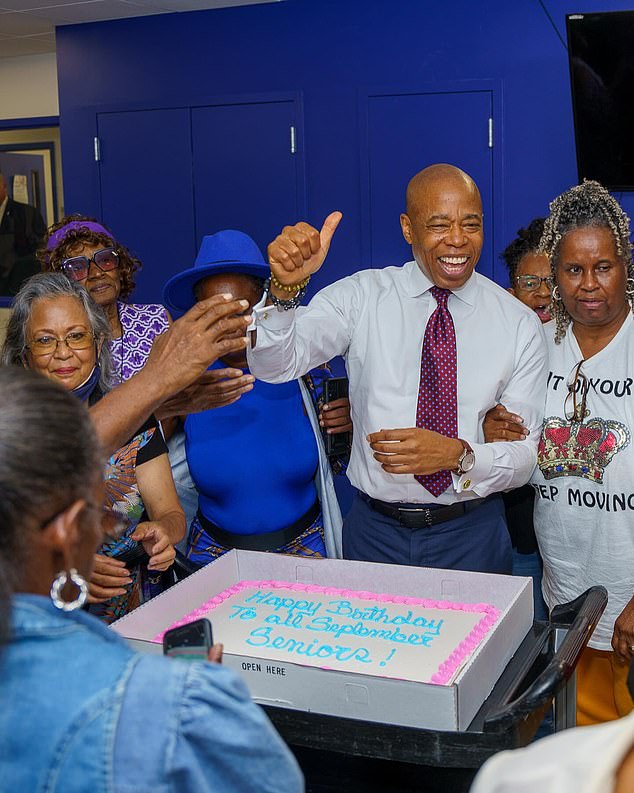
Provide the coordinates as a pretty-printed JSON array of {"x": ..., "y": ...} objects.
[{"x": 601, "y": 57}]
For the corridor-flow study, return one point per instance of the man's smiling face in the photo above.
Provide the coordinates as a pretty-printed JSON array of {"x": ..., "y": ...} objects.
[{"x": 443, "y": 225}]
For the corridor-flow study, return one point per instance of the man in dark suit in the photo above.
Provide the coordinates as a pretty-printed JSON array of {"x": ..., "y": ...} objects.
[{"x": 22, "y": 231}]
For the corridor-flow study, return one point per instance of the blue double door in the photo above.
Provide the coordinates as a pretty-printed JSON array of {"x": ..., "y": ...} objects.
[{"x": 169, "y": 176}]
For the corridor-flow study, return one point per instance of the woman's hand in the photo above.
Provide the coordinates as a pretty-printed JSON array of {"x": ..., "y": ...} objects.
[
  {"x": 156, "y": 542},
  {"x": 108, "y": 579},
  {"x": 158, "y": 492},
  {"x": 213, "y": 389},
  {"x": 215, "y": 653},
  {"x": 623, "y": 636},
  {"x": 501, "y": 425},
  {"x": 334, "y": 417}
]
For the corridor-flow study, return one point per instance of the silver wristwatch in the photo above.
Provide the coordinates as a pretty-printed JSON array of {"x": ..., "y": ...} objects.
[{"x": 466, "y": 461}]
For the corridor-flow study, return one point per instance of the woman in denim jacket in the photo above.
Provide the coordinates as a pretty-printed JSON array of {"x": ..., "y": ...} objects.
[{"x": 80, "y": 711}]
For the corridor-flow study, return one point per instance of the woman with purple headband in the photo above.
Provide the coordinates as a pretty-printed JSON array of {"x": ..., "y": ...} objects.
[{"x": 89, "y": 253}]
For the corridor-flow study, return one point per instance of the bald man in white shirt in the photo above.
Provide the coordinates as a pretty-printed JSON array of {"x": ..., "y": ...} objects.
[{"x": 429, "y": 347}]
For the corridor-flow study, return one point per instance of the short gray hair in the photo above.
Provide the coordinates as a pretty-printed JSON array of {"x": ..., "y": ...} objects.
[{"x": 51, "y": 285}]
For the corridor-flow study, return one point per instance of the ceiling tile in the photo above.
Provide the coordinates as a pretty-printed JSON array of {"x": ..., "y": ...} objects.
[
  {"x": 201, "y": 5},
  {"x": 192, "y": 5},
  {"x": 158, "y": 6},
  {"x": 23, "y": 24},
  {"x": 94, "y": 11},
  {"x": 33, "y": 5}
]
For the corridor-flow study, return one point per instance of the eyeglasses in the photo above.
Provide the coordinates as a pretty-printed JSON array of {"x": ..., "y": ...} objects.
[
  {"x": 78, "y": 267},
  {"x": 531, "y": 283},
  {"x": 47, "y": 345},
  {"x": 113, "y": 524},
  {"x": 575, "y": 404}
]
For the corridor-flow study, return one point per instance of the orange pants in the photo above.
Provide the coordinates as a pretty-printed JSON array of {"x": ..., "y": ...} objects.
[{"x": 602, "y": 693}]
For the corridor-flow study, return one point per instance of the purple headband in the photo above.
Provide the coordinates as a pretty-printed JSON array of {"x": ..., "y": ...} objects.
[{"x": 58, "y": 236}]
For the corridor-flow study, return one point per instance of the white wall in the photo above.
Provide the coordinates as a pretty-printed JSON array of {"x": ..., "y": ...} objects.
[
  {"x": 28, "y": 89},
  {"x": 28, "y": 86}
]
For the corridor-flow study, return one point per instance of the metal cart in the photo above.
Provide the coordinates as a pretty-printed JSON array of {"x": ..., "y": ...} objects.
[{"x": 340, "y": 755}]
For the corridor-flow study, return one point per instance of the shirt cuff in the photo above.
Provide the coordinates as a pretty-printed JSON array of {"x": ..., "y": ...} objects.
[
  {"x": 269, "y": 317},
  {"x": 484, "y": 459}
]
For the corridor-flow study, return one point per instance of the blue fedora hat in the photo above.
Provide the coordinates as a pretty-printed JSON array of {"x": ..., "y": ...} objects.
[{"x": 226, "y": 251}]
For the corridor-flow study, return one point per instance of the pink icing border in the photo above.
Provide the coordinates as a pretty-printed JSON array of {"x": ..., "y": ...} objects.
[{"x": 447, "y": 668}]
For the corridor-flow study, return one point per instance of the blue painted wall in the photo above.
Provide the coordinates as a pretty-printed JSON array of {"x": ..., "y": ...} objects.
[{"x": 330, "y": 50}]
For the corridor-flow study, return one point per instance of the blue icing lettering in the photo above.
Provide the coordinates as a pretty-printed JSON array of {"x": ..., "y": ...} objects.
[
  {"x": 328, "y": 625},
  {"x": 261, "y": 637},
  {"x": 243, "y": 613},
  {"x": 289, "y": 604}
]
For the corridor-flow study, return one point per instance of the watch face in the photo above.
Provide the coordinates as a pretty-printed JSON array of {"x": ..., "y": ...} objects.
[{"x": 468, "y": 461}]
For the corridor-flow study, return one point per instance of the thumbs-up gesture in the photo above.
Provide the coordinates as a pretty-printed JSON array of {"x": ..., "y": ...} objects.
[{"x": 300, "y": 250}]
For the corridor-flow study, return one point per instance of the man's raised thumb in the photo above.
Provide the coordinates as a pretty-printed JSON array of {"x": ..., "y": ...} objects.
[{"x": 328, "y": 229}]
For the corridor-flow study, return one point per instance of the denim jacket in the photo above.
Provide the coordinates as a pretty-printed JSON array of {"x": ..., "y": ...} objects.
[{"x": 80, "y": 711}]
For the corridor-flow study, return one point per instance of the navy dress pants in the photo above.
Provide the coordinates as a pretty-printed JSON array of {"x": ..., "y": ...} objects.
[{"x": 478, "y": 540}]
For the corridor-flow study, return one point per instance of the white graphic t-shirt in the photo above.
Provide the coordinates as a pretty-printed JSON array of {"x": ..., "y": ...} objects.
[{"x": 584, "y": 480}]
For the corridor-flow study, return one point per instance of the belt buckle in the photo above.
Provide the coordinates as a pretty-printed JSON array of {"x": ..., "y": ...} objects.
[{"x": 424, "y": 512}]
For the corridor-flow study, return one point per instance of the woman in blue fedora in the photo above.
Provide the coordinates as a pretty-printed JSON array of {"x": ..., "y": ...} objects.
[{"x": 259, "y": 465}]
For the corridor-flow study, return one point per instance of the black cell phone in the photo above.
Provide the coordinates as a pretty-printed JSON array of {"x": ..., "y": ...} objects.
[
  {"x": 133, "y": 556},
  {"x": 190, "y": 642},
  {"x": 338, "y": 443}
]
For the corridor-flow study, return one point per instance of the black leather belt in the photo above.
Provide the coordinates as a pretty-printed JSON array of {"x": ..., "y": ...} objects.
[
  {"x": 269, "y": 541},
  {"x": 423, "y": 516}
]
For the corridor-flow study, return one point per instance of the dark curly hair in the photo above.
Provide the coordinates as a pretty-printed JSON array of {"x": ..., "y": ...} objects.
[
  {"x": 52, "y": 260},
  {"x": 585, "y": 205},
  {"x": 527, "y": 241}
]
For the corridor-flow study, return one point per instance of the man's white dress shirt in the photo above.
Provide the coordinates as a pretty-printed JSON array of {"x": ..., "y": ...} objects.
[
  {"x": 376, "y": 320},
  {"x": 582, "y": 760}
]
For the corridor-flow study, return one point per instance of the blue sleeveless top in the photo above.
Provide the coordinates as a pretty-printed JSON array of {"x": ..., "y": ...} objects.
[{"x": 254, "y": 462}]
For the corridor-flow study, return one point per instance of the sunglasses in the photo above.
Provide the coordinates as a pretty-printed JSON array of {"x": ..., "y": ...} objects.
[
  {"x": 78, "y": 267},
  {"x": 575, "y": 402},
  {"x": 531, "y": 283}
]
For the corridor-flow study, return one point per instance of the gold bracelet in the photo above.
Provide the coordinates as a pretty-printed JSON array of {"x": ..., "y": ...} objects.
[{"x": 289, "y": 287}]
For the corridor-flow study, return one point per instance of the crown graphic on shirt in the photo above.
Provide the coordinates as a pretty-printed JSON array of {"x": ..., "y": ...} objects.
[{"x": 579, "y": 449}]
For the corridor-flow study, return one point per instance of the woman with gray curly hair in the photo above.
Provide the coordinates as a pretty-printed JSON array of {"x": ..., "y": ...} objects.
[
  {"x": 16, "y": 350},
  {"x": 584, "y": 478},
  {"x": 57, "y": 330}
]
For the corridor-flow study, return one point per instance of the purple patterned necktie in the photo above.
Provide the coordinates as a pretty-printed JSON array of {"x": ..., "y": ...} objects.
[{"x": 437, "y": 401}]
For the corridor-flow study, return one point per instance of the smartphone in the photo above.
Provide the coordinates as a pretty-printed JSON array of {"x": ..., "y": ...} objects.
[
  {"x": 338, "y": 443},
  {"x": 190, "y": 642},
  {"x": 133, "y": 556}
]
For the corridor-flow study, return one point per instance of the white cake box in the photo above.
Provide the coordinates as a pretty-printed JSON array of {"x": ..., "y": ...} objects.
[{"x": 342, "y": 693}]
